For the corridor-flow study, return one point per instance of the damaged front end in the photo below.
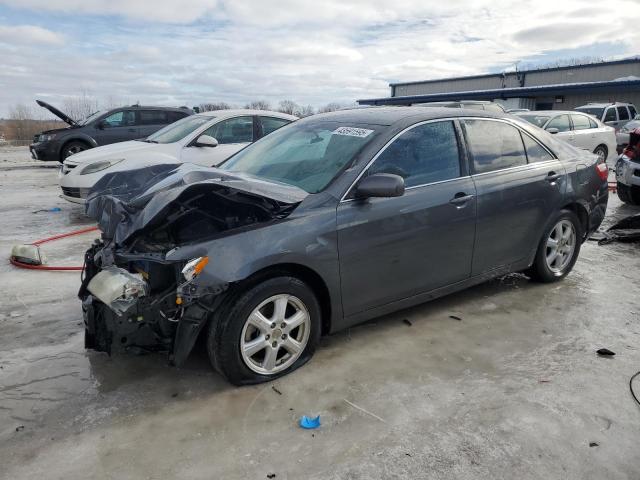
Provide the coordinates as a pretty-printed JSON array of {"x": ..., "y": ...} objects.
[{"x": 149, "y": 283}]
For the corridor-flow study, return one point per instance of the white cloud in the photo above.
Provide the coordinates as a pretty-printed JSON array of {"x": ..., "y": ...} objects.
[
  {"x": 29, "y": 34},
  {"x": 311, "y": 52}
]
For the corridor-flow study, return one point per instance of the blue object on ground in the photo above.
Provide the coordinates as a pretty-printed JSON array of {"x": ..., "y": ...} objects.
[
  {"x": 310, "y": 423},
  {"x": 56, "y": 209}
]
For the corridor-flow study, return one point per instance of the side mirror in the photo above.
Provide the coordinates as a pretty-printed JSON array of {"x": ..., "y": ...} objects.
[
  {"x": 101, "y": 124},
  {"x": 206, "y": 141},
  {"x": 380, "y": 185},
  {"x": 553, "y": 130}
]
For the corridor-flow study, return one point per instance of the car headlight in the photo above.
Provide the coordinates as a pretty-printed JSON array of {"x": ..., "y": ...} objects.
[
  {"x": 193, "y": 268},
  {"x": 101, "y": 165},
  {"x": 46, "y": 137}
]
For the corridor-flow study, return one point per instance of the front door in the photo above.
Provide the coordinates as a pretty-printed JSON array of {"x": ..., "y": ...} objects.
[
  {"x": 232, "y": 134},
  {"x": 519, "y": 185},
  {"x": 120, "y": 126},
  {"x": 395, "y": 248}
]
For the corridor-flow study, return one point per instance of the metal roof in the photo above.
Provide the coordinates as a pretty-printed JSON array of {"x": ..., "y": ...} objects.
[
  {"x": 519, "y": 72},
  {"x": 512, "y": 92}
]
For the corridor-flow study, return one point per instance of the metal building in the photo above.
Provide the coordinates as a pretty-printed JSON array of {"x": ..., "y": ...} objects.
[{"x": 561, "y": 88}]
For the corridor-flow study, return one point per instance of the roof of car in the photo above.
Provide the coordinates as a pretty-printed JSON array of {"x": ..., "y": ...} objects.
[
  {"x": 548, "y": 113},
  {"x": 155, "y": 107},
  {"x": 390, "y": 115},
  {"x": 603, "y": 104},
  {"x": 243, "y": 111}
]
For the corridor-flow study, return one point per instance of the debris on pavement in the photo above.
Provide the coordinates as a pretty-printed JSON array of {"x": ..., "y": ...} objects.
[
  {"x": 626, "y": 230},
  {"x": 594, "y": 444},
  {"x": 19, "y": 428},
  {"x": 455, "y": 317},
  {"x": 271, "y": 475},
  {"x": 309, "y": 423},
  {"x": 407, "y": 322},
  {"x": 605, "y": 352},
  {"x": 54, "y": 209},
  {"x": 276, "y": 390}
]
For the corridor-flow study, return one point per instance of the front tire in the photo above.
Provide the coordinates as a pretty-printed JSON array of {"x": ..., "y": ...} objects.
[
  {"x": 265, "y": 332},
  {"x": 558, "y": 249},
  {"x": 628, "y": 194},
  {"x": 72, "y": 148}
]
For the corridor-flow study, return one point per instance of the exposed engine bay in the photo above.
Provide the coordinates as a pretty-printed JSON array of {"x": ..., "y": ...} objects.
[{"x": 138, "y": 293}]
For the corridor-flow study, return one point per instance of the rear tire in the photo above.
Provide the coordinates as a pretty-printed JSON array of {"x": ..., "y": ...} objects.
[
  {"x": 602, "y": 152},
  {"x": 72, "y": 148},
  {"x": 628, "y": 194},
  {"x": 254, "y": 339},
  {"x": 558, "y": 249}
]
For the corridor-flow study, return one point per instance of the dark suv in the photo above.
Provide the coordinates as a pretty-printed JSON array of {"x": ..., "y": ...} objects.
[{"x": 101, "y": 128}]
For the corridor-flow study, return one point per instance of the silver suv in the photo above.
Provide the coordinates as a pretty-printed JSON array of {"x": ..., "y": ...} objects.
[{"x": 613, "y": 114}]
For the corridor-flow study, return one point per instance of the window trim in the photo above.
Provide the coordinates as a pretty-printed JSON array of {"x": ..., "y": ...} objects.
[
  {"x": 464, "y": 173},
  {"x": 472, "y": 171},
  {"x": 604, "y": 114}
]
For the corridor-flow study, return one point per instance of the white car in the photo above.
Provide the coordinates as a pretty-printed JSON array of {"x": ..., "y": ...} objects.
[
  {"x": 579, "y": 129},
  {"x": 204, "y": 139}
]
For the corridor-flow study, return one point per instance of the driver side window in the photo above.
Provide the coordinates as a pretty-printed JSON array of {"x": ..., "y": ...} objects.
[
  {"x": 123, "y": 118},
  {"x": 233, "y": 130},
  {"x": 425, "y": 154}
]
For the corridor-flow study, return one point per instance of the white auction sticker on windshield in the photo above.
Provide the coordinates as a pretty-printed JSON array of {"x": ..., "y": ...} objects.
[{"x": 352, "y": 132}]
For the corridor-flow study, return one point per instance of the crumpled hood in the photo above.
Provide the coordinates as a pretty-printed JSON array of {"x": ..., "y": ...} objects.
[{"x": 126, "y": 202}]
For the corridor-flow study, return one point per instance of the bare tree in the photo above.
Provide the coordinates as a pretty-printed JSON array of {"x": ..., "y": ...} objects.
[
  {"x": 209, "y": 107},
  {"x": 80, "y": 106},
  {"x": 258, "y": 105},
  {"x": 24, "y": 123},
  {"x": 330, "y": 107},
  {"x": 306, "y": 111},
  {"x": 289, "y": 106}
]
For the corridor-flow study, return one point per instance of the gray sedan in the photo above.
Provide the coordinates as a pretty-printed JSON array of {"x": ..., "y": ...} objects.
[{"x": 326, "y": 223}]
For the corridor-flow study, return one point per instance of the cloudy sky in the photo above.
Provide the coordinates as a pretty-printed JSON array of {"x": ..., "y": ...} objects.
[{"x": 179, "y": 52}]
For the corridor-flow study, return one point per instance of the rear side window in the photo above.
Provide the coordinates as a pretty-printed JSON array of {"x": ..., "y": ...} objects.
[
  {"x": 233, "y": 130},
  {"x": 580, "y": 122},
  {"x": 632, "y": 111},
  {"x": 425, "y": 154},
  {"x": 561, "y": 122},
  {"x": 494, "y": 145},
  {"x": 152, "y": 117},
  {"x": 175, "y": 116},
  {"x": 610, "y": 115},
  {"x": 623, "y": 113},
  {"x": 535, "y": 151},
  {"x": 271, "y": 124}
]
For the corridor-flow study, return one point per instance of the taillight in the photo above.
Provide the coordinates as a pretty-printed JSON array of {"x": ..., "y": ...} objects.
[{"x": 603, "y": 171}]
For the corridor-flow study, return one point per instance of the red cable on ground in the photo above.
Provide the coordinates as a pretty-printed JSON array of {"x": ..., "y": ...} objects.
[{"x": 51, "y": 239}]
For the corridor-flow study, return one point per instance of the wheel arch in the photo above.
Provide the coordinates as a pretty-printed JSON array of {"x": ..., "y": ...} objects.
[
  {"x": 90, "y": 142},
  {"x": 583, "y": 215},
  {"x": 303, "y": 273}
]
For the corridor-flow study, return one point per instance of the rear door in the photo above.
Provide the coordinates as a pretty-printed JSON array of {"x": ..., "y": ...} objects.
[
  {"x": 518, "y": 184},
  {"x": 584, "y": 130},
  {"x": 623, "y": 116},
  {"x": 232, "y": 134},
  {"x": 395, "y": 248},
  {"x": 610, "y": 117},
  {"x": 562, "y": 124},
  {"x": 117, "y": 127},
  {"x": 150, "y": 121},
  {"x": 266, "y": 125}
]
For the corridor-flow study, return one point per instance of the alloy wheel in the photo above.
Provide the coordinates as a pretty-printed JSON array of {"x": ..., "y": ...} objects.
[
  {"x": 275, "y": 334},
  {"x": 561, "y": 245}
]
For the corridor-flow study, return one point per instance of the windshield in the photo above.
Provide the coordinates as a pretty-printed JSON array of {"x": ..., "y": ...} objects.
[
  {"x": 537, "y": 120},
  {"x": 307, "y": 155},
  {"x": 180, "y": 129},
  {"x": 595, "y": 111},
  {"x": 91, "y": 117}
]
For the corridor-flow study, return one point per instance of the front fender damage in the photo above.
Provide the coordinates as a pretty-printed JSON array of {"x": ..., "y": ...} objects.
[{"x": 135, "y": 296}]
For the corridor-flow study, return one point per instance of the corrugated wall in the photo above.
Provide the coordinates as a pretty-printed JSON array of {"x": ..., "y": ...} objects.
[{"x": 586, "y": 73}]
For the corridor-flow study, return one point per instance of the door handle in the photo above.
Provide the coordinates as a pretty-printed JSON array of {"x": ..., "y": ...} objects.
[
  {"x": 460, "y": 199},
  {"x": 553, "y": 176}
]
